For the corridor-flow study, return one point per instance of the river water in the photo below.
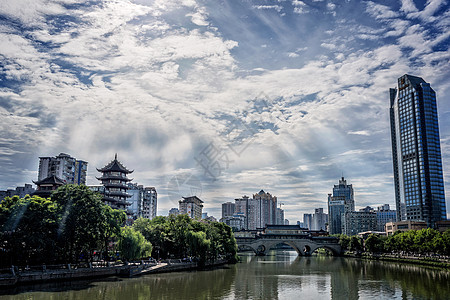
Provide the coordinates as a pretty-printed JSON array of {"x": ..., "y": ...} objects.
[{"x": 279, "y": 275}]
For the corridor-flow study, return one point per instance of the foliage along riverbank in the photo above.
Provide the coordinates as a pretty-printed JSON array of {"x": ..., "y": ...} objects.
[
  {"x": 425, "y": 247},
  {"x": 74, "y": 225}
]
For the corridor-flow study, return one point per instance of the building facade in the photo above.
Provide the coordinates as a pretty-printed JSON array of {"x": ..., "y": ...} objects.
[
  {"x": 416, "y": 152},
  {"x": 340, "y": 202},
  {"x": 174, "y": 211},
  {"x": 262, "y": 210},
  {"x": 115, "y": 181},
  {"x": 392, "y": 227},
  {"x": 150, "y": 203},
  {"x": 192, "y": 206},
  {"x": 359, "y": 221},
  {"x": 20, "y": 191},
  {"x": 319, "y": 219},
  {"x": 228, "y": 209},
  {"x": 307, "y": 221},
  {"x": 385, "y": 215},
  {"x": 65, "y": 167},
  {"x": 280, "y": 216}
]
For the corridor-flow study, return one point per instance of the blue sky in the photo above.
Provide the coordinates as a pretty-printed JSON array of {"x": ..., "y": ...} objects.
[{"x": 237, "y": 95}]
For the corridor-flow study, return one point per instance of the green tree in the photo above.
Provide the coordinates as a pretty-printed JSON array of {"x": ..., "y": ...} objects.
[
  {"x": 133, "y": 245},
  {"x": 84, "y": 221},
  {"x": 29, "y": 227}
]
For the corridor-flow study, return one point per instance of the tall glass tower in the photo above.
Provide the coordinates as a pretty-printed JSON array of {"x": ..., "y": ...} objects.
[
  {"x": 416, "y": 152},
  {"x": 340, "y": 202}
]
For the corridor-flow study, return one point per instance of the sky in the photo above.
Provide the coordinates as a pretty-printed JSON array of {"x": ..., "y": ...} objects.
[{"x": 219, "y": 98}]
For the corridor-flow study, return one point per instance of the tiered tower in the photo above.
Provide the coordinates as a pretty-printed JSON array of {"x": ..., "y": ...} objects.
[{"x": 114, "y": 179}]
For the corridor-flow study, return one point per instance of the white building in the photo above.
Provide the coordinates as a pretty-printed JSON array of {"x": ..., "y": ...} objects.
[
  {"x": 192, "y": 206},
  {"x": 69, "y": 169}
]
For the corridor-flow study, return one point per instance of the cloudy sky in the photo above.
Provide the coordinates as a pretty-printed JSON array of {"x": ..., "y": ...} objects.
[{"x": 220, "y": 98}]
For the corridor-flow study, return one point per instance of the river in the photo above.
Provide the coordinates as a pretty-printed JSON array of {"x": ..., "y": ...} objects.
[{"x": 279, "y": 275}]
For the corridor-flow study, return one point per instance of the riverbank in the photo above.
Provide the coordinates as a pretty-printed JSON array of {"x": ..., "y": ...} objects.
[
  {"x": 14, "y": 276},
  {"x": 416, "y": 260}
]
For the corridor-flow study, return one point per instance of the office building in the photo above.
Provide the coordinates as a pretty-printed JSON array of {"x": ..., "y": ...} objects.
[
  {"x": 392, "y": 227},
  {"x": 359, "y": 221},
  {"x": 416, "y": 152},
  {"x": 65, "y": 167},
  {"x": 192, "y": 206},
  {"x": 115, "y": 181},
  {"x": 385, "y": 215},
  {"x": 340, "y": 202}
]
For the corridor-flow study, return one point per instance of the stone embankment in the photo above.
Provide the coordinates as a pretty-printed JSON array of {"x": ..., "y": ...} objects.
[{"x": 17, "y": 276}]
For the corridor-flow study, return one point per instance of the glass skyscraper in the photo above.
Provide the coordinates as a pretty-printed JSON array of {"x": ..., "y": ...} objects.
[
  {"x": 340, "y": 202},
  {"x": 416, "y": 152}
]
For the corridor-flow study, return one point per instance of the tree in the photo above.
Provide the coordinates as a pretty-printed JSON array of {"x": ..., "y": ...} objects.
[
  {"x": 133, "y": 245},
  {"x": 29, "y": 227},
  {"x": 85, "y": 222}
]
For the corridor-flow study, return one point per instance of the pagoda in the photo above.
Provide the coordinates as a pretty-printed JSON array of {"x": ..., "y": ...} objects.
[
  {"x": 46, "y": 186},
  {"x": 114, "y": 179}
]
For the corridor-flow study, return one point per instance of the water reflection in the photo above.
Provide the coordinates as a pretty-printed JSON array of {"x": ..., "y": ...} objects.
[{"x": 280, "y": 275}]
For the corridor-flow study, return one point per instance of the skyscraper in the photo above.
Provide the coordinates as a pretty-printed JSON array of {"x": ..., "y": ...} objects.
[
  {"x": 340, "y": 202},
  {"x": 416, "y": 152}
]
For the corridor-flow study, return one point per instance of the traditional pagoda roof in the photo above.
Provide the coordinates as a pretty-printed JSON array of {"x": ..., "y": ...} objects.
[
  {"x": 52, "y": 179},
  {"x": 115, "y": 166}
]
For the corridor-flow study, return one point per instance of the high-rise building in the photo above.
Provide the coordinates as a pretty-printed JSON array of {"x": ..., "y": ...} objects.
[
  {"x": 65, "y": 167},
  {"x": 192, "y": 206},
  {"x": 241, "y": 207},
  {"x": 262, "y": 209},
  {"x": 150, "y": 203},
  {"x": 340, "y": 202},
  {"x": 307, "y": 221},
  {"x": 228, "y": 209},
  {"x": 280, "y": 216},
  {"x": 416, "y": 152},
  {"x": 319, "y": 219},
  {"x": 115, "y": 181}
]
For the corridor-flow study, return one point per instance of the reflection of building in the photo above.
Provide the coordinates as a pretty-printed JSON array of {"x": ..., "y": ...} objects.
[
  {"x": 192, "y": 206},
  {"x": 114, "y": 179},
  {"x": 339, "y": 203},
  {"x": 384, "y": 215},
  {"x": 359, "y": 221},
  {"x": 20, "y": 191},
  {"x": 319, "y": 219},
  {"x": 416, "y": 151},
  {"x": 65, "y": 167},
  {"x": 392, "y": 227},
  {"x": 46, "y": 186},
  {"x": 227, "y": 209}
]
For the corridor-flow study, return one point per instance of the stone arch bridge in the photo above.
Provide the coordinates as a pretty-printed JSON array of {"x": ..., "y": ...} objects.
[{"x": 303, "y": 244}]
